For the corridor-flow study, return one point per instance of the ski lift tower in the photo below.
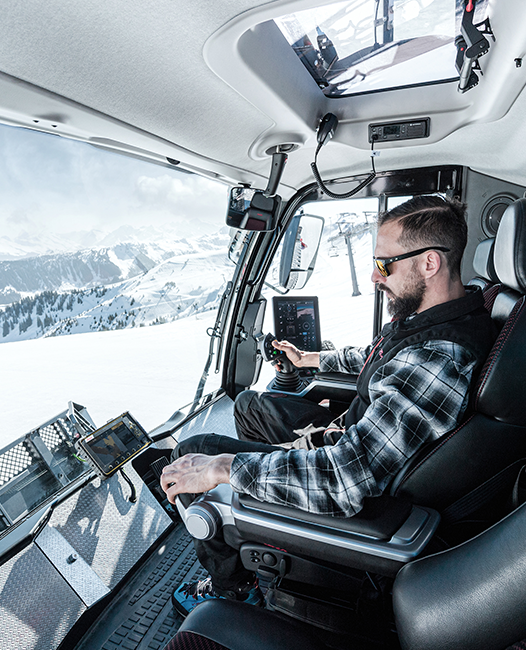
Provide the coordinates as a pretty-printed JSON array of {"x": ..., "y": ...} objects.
[{"x": 347, "y": 230}]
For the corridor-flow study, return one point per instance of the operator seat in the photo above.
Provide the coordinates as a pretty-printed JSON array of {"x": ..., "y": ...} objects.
[
  {"x": 484, "y": 266},
  {"x": 467, "y": 598}
]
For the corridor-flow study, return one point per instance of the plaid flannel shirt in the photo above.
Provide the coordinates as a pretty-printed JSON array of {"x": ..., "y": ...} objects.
[{"x": 417, "y": 396}]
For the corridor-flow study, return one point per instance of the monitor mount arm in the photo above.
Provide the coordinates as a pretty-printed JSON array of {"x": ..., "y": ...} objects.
[
  {"x": 279, "y": 158},
  {"x": 471, "y": 45}
]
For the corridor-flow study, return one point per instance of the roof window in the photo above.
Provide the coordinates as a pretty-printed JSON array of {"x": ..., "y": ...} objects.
[{"x": 362, "y": 46}]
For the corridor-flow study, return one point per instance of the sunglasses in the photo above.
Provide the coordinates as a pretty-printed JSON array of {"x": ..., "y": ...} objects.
[{"x": 382, "y": 264}]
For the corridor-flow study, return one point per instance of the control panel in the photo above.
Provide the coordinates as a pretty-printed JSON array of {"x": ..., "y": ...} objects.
[{"x": 297, "y": 320}]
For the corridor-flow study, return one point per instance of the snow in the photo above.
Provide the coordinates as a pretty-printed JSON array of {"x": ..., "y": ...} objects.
[{"x": 150, "y": 371}]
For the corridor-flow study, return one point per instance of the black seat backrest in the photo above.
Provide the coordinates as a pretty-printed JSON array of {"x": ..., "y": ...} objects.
[
  {"x": 484, "y": 266},
  {"x": 468, "y": 598},
  {"x": 494, "y": 435}
]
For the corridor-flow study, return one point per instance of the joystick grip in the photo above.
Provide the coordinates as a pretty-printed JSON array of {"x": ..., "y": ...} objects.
[{"x": 269, "y": 351}]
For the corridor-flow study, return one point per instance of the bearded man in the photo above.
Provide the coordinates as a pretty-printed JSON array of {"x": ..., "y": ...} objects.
[{"x": 413, "y": 386}]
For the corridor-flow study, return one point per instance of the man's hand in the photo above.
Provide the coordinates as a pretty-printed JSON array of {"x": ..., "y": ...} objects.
[
  {"x": 194, "y": 473},
  {"x": 299, "y": 358}
]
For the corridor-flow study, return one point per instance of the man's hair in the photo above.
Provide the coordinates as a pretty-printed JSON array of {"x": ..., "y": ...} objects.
[{"x": 432, "y": 220}]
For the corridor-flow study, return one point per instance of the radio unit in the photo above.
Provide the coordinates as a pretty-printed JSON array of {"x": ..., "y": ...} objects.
[{"x": 390, "y": 131}]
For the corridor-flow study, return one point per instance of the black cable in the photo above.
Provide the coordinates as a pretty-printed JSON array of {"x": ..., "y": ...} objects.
[
  {"x": 346, "y": 195},
  {"x": 133, "y": 495}
]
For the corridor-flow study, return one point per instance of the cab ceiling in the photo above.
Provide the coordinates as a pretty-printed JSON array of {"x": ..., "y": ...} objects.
[{"x": 191, "y": 81}]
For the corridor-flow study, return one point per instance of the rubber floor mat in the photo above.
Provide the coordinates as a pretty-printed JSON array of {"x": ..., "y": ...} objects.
[{"x": 142, "y": 616}]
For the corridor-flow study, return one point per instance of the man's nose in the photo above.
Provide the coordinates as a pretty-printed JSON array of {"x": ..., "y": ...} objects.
[{"x": 376, "y": 276}]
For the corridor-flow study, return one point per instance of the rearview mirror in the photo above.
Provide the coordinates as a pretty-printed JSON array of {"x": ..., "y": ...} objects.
[
  {"x": 300, "y": 248},
  {"x": 250, "y": 209}
]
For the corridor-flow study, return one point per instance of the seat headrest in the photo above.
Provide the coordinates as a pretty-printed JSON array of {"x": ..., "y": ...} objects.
[
  {"x": 483, "y": 262},
  {"x": 510, "y": 247}
]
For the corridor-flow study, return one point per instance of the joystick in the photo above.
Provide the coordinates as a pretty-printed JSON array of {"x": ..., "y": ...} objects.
[{"x": 287, "y": 375}]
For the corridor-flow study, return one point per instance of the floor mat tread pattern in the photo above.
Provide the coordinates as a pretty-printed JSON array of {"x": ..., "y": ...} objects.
[{"x": 143, "y": 617}]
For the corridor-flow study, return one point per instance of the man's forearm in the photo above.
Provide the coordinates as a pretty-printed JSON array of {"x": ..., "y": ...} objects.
[
  {"x": 309, "y": 360},
  {"x": 220, "y": 468}
]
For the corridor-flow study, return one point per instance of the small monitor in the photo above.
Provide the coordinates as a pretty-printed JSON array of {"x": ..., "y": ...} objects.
[
  {"x": 114, "y": 444},
  {"x": 297, "y": 320}
]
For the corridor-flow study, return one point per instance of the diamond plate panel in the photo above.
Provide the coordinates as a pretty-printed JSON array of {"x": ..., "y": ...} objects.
[
  {"x": 37, "y": 607},
  {"x": 77, "y": 573},
  {"x": 218, "y": 418},
  {"x": 106, "y": 530}
]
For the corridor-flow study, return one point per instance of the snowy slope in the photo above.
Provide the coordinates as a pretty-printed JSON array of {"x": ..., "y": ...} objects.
[{"x": 149, "y": 371}]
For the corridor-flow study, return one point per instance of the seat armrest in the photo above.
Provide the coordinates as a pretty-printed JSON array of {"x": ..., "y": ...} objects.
[
  {"x": 336, "y": 378},
  {"x": 336, "y": 386},
  {"x": 388, "y": 529},
  {"x": 380, "y": 517}
]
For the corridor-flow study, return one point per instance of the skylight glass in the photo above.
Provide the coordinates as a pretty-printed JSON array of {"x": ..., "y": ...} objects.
[{"x": 369, "y": 45}]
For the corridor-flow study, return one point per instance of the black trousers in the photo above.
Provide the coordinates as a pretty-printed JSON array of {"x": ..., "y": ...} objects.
[
  {"x": 276, "y": 417},
  {"x": 263, "y": 420}
]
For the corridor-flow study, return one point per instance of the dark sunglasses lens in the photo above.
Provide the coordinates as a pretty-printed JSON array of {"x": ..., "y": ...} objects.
[{"x": 381, "y": 268}]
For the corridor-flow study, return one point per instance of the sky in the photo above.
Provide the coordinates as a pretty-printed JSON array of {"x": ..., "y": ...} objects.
[{"x": 51, "y": 184}]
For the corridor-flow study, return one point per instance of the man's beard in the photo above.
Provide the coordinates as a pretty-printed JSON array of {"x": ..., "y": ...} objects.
[{"x": 400, "y": 307}]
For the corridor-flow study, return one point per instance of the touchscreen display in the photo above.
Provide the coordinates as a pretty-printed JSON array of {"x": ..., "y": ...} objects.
[
  {"x": 297, "y": 321},
  {"x": 114, "y": 444}
]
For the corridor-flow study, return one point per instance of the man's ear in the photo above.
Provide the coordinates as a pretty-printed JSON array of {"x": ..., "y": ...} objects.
[{"x": 432, "y": 263}]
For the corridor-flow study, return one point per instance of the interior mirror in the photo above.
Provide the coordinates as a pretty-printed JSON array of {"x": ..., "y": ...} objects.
[
  {"x": 300, "y": 248},
  {"x": 250, "y": 209}
]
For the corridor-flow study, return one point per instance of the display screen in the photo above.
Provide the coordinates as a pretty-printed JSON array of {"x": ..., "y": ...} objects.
[
  {"x": 115, "y": 443},
  {"x": 297, "y": 320},
  {"x": 393, "y": 129}
]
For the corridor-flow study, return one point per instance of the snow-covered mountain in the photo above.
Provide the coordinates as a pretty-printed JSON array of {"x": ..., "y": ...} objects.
[
  {"x": 99, "y": 265},
  {"x": 125, "y": 285},
  {"x": 34, "y": 244}
]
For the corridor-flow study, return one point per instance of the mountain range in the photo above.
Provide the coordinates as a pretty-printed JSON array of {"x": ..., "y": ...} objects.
[
  {"x": 145, "y": 277},
  {"x": 119, "y": 286}
]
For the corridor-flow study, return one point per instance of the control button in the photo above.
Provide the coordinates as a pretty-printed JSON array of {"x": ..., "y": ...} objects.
[
  {"x": 255, "y": 560},
  {"x": 254, "y": 553},
  {"x": 269, "y": 559}
]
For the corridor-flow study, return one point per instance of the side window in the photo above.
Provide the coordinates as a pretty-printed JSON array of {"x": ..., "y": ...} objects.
[{"x": 342, "y": 276}]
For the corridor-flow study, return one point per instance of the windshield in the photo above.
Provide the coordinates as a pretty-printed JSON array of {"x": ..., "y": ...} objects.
[
  {"x": 369, "y": 45},
  {"x": 111, "y": 273}
]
